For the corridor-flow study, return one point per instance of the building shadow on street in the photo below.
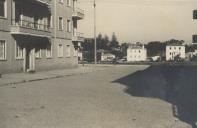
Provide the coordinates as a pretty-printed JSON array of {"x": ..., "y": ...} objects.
[{"x": 174, "y": 84}]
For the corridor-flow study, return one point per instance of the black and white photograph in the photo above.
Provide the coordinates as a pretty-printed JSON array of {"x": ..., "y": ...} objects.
[{"x": 98, "y": 63}]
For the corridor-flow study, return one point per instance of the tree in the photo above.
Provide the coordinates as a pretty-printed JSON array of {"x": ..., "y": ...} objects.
[
  {"x": 174, "y": 41},
  {"x": 156, "y": 48},
  {"x": 139, "y": 44},
  {"x": 88, "y": 49},
  {"x": 88, "y": 44},
  {"x": 99, "y": 41},
  {"x": 124, "y": 47},
  {"x": 190, "y": 48},
  {"x": 106, "y": 42},
  {"x": 114, "y": 42},
  {"x": 103, "y": 44}
]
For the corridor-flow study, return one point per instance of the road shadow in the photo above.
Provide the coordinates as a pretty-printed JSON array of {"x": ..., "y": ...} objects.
[{"x": 174, "y": 84}]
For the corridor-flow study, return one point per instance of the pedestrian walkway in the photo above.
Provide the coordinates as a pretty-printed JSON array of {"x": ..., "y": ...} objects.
[{"x": 17, "y": 78}]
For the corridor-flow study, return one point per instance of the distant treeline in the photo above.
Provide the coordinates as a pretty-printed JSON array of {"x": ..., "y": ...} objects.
[{"x": 104, "y": 44}]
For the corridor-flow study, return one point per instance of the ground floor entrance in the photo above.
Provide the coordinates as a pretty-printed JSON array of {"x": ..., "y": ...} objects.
[
  {"x": 25, "y": 53},
  {"x": 30, "y": 47},
  {"x": 29, "y": 59}
]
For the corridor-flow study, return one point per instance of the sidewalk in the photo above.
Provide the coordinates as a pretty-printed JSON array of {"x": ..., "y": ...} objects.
[{"x": 17, "y": 78}]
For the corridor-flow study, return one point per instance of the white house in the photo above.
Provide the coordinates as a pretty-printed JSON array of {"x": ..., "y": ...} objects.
[
  {"x": 175, "y": 50},
  {"x": 107, "y": 56},
  {"x": 136, "y": 53}
]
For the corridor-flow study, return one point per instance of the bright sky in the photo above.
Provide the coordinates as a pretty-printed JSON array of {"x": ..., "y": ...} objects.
[{"x": 141, "y": 20}]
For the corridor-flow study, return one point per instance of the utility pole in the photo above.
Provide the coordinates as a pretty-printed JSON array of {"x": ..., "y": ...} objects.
[{"x": 95, "y": 49}]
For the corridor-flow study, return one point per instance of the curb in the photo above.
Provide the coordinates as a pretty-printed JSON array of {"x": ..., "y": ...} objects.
[{"x": 46, "y": 78}]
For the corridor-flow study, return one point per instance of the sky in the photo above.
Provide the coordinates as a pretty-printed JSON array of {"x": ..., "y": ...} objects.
[{"x": 140, "y": 20}]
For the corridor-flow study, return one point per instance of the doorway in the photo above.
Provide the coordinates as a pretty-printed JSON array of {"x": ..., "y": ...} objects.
[{"x": 29, "y": 61}]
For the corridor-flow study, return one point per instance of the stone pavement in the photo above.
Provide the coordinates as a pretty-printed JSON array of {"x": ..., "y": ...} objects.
[{"x": 17, "y": 78}]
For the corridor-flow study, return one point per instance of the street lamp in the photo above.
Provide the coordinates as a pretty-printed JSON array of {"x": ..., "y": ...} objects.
[{"x": 95, "y": 52}]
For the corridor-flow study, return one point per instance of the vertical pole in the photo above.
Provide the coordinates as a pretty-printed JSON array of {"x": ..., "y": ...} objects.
[
  {"x": 33, "y": 59},
  {"x": 55, "y": 18},
  {"x": 13, "y": 12},
  {"x": 24, "y": 60},
  {"x": 95, "y": 49}
]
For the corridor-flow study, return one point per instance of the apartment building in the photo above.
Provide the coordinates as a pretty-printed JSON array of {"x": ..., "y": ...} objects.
[
  {"x": 37, "y": 35},
  {"x": 136, "y": 53},
  {"x": 78, "y": 37},
  {"x": 175, "y": 50}
]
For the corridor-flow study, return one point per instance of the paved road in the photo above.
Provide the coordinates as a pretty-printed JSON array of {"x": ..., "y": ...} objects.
[{"x": 92, "y": 100}]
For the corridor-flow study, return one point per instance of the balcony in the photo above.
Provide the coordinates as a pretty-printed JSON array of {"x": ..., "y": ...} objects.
[
  {"x": 78, "y": 37},
  {"x": 45, "y": 2},
  {"x": 23, "y": 27},
  {"x": 78, "y": 14}
]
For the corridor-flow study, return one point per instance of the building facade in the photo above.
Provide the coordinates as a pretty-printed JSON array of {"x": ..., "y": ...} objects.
[
  {"x": 136, "y": 53},
  {"x": 173, "y": 51},
  {"x": 36, "y": 35},
  {"x": 107, "y": 56}
]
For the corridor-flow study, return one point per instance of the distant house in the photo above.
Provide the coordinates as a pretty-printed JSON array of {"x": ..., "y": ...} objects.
[
  {"x": 136, "y": 53},
  {"x": 175, "y": 50},
  {"x": 107, "y": 56},
  {"x": 190, "y": 55},
  {"x": 156, "y": 58}
]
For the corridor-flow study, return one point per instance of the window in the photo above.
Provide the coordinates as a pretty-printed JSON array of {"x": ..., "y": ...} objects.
[
  {"x": 68, "y": 3},
  {"x": 45, "y": 24},
  {"x": 2, "y": 50},
  {"x": 139, "y": 51},
  {"x": 194, "y": 39},
  {"x": 170, "y": 48},
  {"x": 60, "y": 50},
  {"x": 194, "y": 14},
  {"x": 49, "y": 51},
  {"x": 38, "y": 53},
  {"x": 60, "y": 23},
  {"x": 68, "y": 51},
  {"x": 19, "y": 51},
  {"x": 179, "y": 48},
  {"x": 2, "y": 8},
  {"x": 68, "y": 26}
]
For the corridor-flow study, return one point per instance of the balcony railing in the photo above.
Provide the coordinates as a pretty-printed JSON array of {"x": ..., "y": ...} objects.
[
  {"x": 78, "y": 13},
  {"x": 31, "y": 25},
  {"x": 78, "y": 10},
  {"x": 77, "y": 36}
]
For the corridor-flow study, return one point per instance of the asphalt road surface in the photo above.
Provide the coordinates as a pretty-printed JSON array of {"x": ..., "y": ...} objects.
[{"x": 99, "y": 99}]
